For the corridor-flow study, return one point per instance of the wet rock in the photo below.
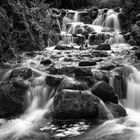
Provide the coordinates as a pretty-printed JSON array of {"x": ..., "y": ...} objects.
[
  {"x": 99, "y": 75},
  {"x": 97, "y": 53},
  {"x": 79, "y": 39},
  {"x": 53, "y": 80},
  {"x": 119, "y": 80},
  {"x": 73, "y": 84},
  {"x": 137, "y": 54},
  {"x": 105, "y": 92},
  {"x": 87, "y": 63},
  {"x": 90, "y": 29},
  {"x": 107, "y": 66},
  {"x": 66, "y": 70},
  {"x": 81, "y": 72},
  {"x": 64, "y": 47},
  {"x": 138, "y": 17},
  {"x": 46, "y": 62},
  {"x": 79, "y": 30},
  {"x": 98, "y": 38},
  {"x": 138, "y": 23},
  {"x": 25, "y": 73},
  {"x": 116, "y": 109},
  {"x": 75, "y": 104},
  {"x": 12, "y": 97},
  {"x": 86, "y": 34},
  {"x": 103, "y": 46}
]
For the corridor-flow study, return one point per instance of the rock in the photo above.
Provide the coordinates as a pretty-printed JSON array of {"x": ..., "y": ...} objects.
[
  {"x": 79, "y": 30},
  {"x": 138, "y": 23},
  {"x": 97, "y": 53},
  {"x": 81, "y": 72},
  {"x": 73, "y": 84},
  {"x": 86, "y": 34},
  {"x": 66, "y": 70},
  {"x": 138, "y": 17},
  {"x": 79, "y": 39},
  {"x": 98, "y": 38},
  {"x": 99, "y": 75},
  {"x": 25, "y": 73},
  {"x": 12, "y": 97},
  {"x": 107, "y": 66},
  {"x": 87, "y": 63},
  {"x": 119, "y": 78},
  {"x": 75, "y": 104},
  {"x": 53, "y": 80},
  {"x": 46, "y": 62},
  {"x": 90, "y": 29},
  {"x": 105, "y": 92},
  {"x": 137, "y": 54},
  {"x": 116, "y": 109},
  {"x": 103, "y": 46},
  {"x": 64, "y": 47}
]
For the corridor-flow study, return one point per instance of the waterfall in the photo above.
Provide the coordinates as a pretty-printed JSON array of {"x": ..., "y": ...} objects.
[
  {"x": 74, "y": 27},
  {"x": 133, "y": 90},
  {"x": 39, "y": 101},
  {"x": 112, "y": 22},
  {"x": 67, "y": 38}
]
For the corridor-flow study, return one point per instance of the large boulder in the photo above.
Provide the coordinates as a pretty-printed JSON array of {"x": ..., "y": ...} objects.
[
  {"x": 53, "y": 80},
  {"x": 105, "y": 92},
  {"x": 81, "y": 72},
  {"x": 66, "y": 70},
  {"x": 75, "y": 104},
  {"x": 25, "y": 73},
  {"x": 12, "y": 97}
]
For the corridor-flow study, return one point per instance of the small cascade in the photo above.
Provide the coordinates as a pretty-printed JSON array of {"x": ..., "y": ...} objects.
[
  {"x": 67, "y": 38},
  {"x": 116, "y": 39},
  {"x": 76, "y": 17},
  {"x": 133, "y": 90},
  {"x": 112, "y": 22},
  {"x": 39, "y": 100},
  {"x": 66, "y": 20},
  {"x": 75, "y": 27}
]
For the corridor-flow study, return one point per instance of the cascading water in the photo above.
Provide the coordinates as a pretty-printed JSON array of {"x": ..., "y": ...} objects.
[
  {"x": 76, "y": 17},
  {"x": 133, "y": 90},
  {"x": 39, "y": 100},
  {"x": 110, "y": 23}
]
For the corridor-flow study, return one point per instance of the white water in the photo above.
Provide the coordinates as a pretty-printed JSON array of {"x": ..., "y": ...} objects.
[
  {"x": 133, "y": 90},
  {"x": 76, "y": 17},
  {"x": 39, "y": 100}
]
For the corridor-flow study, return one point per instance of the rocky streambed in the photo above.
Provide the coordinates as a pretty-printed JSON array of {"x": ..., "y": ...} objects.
[{"x": 77, "y": 89}]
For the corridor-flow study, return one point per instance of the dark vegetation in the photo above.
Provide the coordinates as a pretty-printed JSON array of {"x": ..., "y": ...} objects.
[{"x": 31, "y": 25}]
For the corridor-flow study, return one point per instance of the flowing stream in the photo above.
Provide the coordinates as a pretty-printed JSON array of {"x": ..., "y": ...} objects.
[{"x": 39, "y": 98}]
